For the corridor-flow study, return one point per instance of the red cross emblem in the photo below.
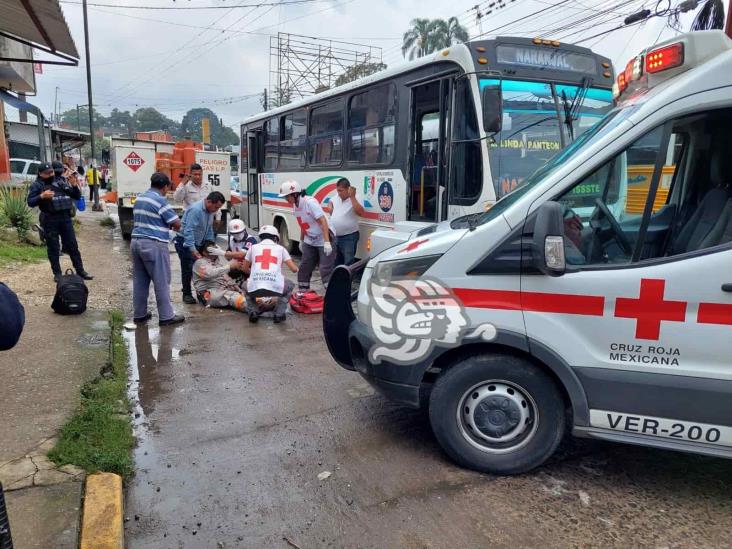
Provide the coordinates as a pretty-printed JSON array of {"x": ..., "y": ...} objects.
[
  {"x": 304, "y": 226},
  {"x": 413, "y": 245},
  {"x": 650, "y": 309},
  {"x": 292, "y": 188},
  {"x": 265, "y": 259}
]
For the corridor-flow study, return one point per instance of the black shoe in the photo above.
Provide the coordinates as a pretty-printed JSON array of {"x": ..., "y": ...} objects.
[
  {"x": 142, "y": 319},
  {"x": 253, "y": 317},
  {"x": 188, "y": 299},
  {"x": 56, "y": 277},
  {"x": 279, "y": 318},
  {"x": 177, "y": 319},
  {"x": 85, "y": 275}
]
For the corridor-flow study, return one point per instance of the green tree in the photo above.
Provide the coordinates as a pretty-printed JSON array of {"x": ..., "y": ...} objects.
[
  {"x": 426, "y": 36},
  {"x": 446, "y": 33},
  {"x": 121, "y": 121},
  {"x": 354, "y": 72},
  {"x": 148, "y": 119},
  {"x": 79, "y": 120},
  {"x": 100, "y": 144},
  {"x": 221, "y": 135}
]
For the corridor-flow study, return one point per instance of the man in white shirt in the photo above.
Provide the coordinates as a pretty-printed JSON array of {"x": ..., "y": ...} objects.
[
  {"x": 344, "y": 210},
  {"x": 190, "y": 190},
  {"x": 315, "y": 235}
]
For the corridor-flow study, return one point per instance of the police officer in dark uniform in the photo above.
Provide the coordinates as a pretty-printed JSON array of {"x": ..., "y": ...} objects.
[{"x": 54, "y": 196}]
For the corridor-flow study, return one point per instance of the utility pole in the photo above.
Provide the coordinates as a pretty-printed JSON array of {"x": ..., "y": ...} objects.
[
  {"x": 55, "y": 108},
  {"x": 265, "y": 99},
  {"x": 96, "y": 206}
]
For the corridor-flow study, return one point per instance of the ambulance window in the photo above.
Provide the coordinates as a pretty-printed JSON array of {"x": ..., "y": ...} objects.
[{"x": 603, "y": 212}]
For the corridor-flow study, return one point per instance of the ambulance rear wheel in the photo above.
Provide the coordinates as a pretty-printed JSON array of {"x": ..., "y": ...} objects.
[{"x": 497, "y": 414}]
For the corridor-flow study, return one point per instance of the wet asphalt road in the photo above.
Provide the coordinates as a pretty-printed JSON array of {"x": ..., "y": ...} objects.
[{"x": 236, "y": 421}]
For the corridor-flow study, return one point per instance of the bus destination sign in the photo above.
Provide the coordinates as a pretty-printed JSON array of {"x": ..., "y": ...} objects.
[{"x": 545, "y": 58}]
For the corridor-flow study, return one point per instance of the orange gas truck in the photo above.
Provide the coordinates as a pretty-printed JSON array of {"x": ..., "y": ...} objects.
[{"x": 133, "y": 161}]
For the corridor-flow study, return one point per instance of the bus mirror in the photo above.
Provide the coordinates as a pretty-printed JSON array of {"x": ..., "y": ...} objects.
[
  {"x": 548, "y": 241},
  {"x": 492, "y": 100}
]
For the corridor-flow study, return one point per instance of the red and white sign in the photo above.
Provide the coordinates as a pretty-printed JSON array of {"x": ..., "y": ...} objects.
[
  {"x": 38, "y": 68},
  {"x": 133, "y": 161}
]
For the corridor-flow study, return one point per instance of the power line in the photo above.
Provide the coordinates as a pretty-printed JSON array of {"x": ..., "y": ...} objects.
[{"x": 188, "y": 8}]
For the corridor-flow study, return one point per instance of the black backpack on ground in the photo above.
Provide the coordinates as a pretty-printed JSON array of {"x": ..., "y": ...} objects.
[{"x": 71, "y": 294}]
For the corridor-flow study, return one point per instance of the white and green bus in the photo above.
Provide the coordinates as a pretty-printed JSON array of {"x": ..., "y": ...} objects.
[{"x": 440, "y": 137}]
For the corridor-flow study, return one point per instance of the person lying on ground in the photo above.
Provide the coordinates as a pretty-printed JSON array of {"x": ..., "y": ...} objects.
[
  {"x": 264, "y": 262},
  {"x": 212, "y": 281}
]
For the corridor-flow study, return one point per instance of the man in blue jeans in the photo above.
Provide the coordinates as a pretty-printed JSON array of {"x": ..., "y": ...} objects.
[
  {"x": 153, "y": 217},
  {"x": 344, "y": 210},
  {"x": 197, "y": 227}
]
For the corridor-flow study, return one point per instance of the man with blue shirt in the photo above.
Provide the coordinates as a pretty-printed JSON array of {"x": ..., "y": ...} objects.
[
  {"x": 153, "y": 218},
  {"x": 198, "y": 226}
]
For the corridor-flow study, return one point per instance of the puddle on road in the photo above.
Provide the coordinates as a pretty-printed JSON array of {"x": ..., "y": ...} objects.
[{"x": 151, "y": 354}]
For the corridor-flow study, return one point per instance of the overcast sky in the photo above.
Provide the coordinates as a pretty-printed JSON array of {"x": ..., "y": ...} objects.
[{"x": 178, "y": 59}]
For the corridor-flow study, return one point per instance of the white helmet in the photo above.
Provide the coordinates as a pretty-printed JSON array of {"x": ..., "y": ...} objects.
[
  {"x": 236, "y": 226},
  {"x": 270, "y": 230},
  {"x": 289, "y": 187}
]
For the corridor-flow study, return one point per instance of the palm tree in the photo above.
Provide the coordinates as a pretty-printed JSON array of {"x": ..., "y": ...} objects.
[
  {"x": 417, "y": 40},
  {"x": 446, "y": 33}
]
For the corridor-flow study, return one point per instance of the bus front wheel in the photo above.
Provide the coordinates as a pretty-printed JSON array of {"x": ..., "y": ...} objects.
[
  {"x": 285, "y": 240},
  {"x": 497, "y": 414}
]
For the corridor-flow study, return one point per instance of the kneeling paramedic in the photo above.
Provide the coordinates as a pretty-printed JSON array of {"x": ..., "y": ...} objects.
[
  {"x": 264, "y": 262},
  {"x": 316, "y": 236},
  {"x": 55, "y": 197},
  {"x": 212, "y": 281}
]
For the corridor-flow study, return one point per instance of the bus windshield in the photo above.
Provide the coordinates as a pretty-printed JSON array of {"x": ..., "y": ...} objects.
[{"x": 536, "y": 123}]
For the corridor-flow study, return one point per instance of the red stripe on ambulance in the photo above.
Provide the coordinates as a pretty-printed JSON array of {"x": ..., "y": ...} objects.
[
  {"x": 714, "y": 313},
  {"x": 538, "y": 302}
]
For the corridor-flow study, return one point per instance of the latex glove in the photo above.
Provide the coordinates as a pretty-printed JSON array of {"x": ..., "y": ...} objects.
[
  {"x": 327, "y": 248},
  {"x": 216, "y": 251},
  {"x": 301, "y": 247}
]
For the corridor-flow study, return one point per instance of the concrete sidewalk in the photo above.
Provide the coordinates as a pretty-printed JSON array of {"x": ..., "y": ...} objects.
[{"x": 41, "y": 378}]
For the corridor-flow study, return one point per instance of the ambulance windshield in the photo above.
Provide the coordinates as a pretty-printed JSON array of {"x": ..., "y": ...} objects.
[{"x": 595, "y": 133}]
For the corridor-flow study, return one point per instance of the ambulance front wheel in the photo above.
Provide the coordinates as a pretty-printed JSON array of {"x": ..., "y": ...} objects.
[{"x": 497, "y": 414}]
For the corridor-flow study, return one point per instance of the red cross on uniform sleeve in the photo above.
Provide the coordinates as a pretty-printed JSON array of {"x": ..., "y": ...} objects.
[
  {"x": 650, "y": 309},
  {"x": 265, "y": 259}
]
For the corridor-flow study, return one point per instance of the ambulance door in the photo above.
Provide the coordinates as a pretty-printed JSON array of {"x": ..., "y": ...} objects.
[{"x": 643, "y": 311}]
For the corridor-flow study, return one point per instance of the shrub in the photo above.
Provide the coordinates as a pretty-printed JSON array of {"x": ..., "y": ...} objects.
[{"x": 14, "y": 210}]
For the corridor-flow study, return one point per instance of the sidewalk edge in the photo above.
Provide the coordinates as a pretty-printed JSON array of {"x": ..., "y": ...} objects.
[{"x": 102, "y": 524}]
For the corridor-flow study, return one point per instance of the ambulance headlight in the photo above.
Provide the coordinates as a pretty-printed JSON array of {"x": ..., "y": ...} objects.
[{"x": 404, "y": 268}]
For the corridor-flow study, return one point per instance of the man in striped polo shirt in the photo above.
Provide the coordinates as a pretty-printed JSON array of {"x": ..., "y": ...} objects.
[{"x": 153, "y": 219}]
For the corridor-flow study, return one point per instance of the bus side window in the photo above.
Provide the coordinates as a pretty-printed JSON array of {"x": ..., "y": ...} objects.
[
  {"x": 271, "y": 144},
  {"x": 371, "y": 123},
  {"x": 326, "y": 134},
  {"x": 466, "y": 174}
]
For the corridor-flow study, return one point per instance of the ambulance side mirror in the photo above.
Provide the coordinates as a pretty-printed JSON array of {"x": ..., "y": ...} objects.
[{"x": 548, "y": 243}]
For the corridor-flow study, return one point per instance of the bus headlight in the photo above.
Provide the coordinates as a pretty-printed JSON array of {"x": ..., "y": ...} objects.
[{"x": 386, "y": 271}]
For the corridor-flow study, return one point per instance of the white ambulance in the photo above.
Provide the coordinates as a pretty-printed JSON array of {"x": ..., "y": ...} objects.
[{"x": 543, "y": 312}]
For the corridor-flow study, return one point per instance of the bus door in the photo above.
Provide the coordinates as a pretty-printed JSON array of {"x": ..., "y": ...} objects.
[
  {"x": 252, "y": 182},
  {"x": 429, "y": 150}
]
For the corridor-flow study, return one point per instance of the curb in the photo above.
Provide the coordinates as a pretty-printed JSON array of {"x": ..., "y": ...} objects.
[{"x": 102, "y": 525}]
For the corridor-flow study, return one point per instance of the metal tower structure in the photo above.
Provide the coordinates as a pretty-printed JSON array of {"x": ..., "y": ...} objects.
[{"x": 300, "y": 66}]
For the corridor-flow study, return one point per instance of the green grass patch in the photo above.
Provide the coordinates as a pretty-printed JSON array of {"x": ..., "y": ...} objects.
[
  {"x": 107, "y": 222},
  {"x": 11, "y": 252},
  {"x": 99, "y": 436}
]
